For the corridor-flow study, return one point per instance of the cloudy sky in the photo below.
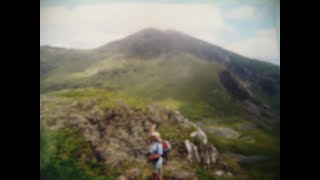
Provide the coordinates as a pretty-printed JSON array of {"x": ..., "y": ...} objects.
[{"x": 248, "y": 27}]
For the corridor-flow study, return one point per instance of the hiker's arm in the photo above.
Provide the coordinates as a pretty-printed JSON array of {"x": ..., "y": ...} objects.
[{"x": 153, "y": 157}]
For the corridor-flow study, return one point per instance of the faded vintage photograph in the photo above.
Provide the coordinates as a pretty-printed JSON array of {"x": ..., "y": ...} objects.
[{"x": 159, "y": 89}]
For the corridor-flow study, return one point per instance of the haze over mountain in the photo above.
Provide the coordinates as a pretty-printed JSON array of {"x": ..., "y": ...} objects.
[
  {"x": 236, "y": 100},
  {"x": 103, "y": 66}
]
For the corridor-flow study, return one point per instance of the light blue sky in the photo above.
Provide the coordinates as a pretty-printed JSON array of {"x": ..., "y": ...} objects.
[{"x": 248, "y": 27}]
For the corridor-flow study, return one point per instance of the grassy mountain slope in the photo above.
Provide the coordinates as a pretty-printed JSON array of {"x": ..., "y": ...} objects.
[
  {"x": 207, "y": 84},
  {"x": 163, "y": 65},
  {"x": 68, "y": 150}
]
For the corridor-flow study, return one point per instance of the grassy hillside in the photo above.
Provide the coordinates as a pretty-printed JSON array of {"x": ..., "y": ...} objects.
[
  {"x": 171, "y": 70},
  {"x": 190, "y": 83},
  {"x": 162, "y": 65},
  {"x": 66, "y": 162}
]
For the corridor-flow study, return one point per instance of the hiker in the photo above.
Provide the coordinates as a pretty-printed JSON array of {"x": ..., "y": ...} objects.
[{"x": 155, "y": 155}]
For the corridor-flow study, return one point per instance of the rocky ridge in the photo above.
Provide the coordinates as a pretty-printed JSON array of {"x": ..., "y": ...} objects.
[{"x": 120, "y": 134}]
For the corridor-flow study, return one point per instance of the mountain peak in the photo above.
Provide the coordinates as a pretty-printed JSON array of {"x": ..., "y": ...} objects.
[
  {"x": 151, "y": 42},
  {"x": 157, "y": 32},
  {"x": 150, "y": 30}
]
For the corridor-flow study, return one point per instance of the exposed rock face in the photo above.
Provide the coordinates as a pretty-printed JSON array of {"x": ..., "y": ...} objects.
[
  {"x": 120, "y": 134},
  {"x": 192, "y": 150},
  {"x": 233, "y": 87},
  {"x": 203, "y": 152},
  {"x": 239, "y": 92}
]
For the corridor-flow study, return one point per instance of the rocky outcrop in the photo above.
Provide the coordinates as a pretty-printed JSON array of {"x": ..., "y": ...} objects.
[
  {"x": 198, "y": 149},
  {"x": 203, "y": 154},
  {"x": 120, "y": 134}
]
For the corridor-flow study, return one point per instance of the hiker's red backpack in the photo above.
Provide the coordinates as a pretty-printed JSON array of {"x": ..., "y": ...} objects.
[{"x": 166, "y": 148}]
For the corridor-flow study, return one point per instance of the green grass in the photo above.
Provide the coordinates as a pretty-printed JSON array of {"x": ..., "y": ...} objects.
[
  {"x": 263, "y": 144},
  {"x": 181, "y": 82},
  {"x": 60, "y": 158},
  {"x": 204, "y": 174},
  {"x": 184, "y": 82},
  {"x": 104, "y": 98},
  {"x": 266, "y": 143},
  {"x": 170, "y": 131}
]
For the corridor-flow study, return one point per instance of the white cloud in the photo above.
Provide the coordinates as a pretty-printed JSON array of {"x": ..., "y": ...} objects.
[
  {"x": 244, "y": 12},
  {"x": 89, "y": 26},
  {"x": 263, "y": 46}
]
